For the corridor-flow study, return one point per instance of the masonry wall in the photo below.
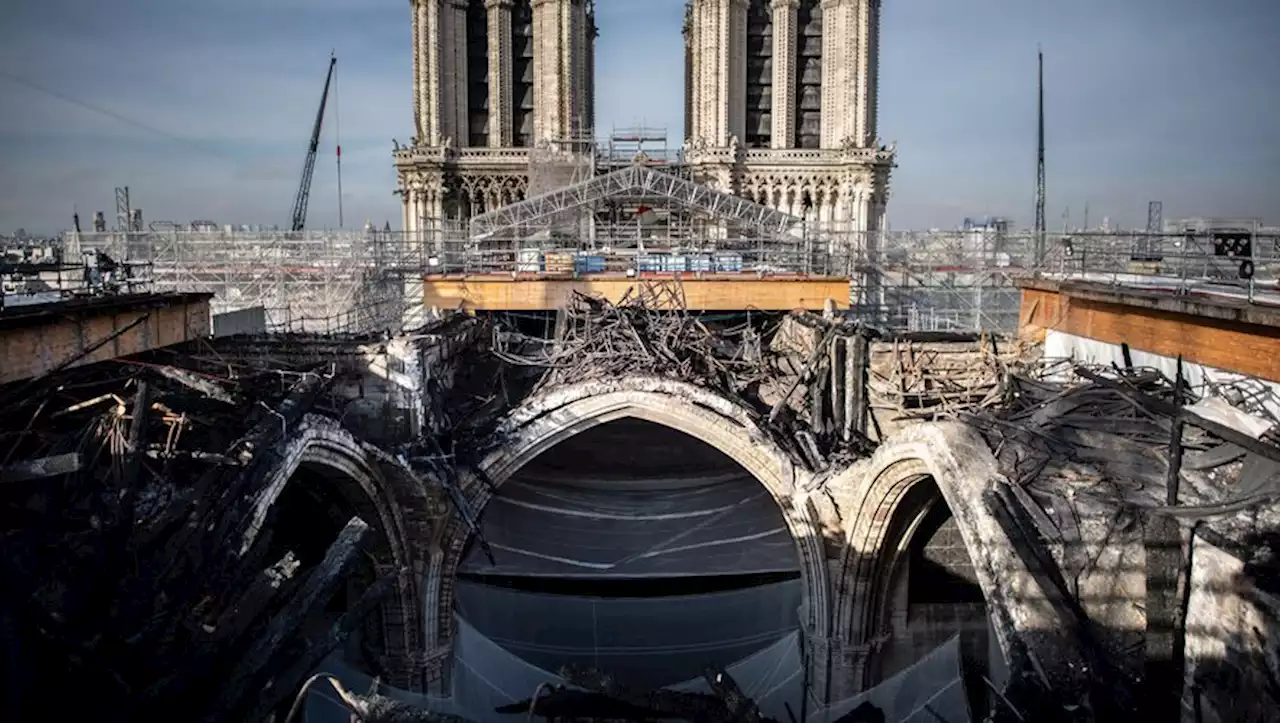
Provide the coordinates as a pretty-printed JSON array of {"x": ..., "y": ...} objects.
[
  {"x": 908, "y": 377},
  {"x": 70, "y": 338},
  {"x": 1232, "y": 644},
  {"x": 384, "y": 389}
]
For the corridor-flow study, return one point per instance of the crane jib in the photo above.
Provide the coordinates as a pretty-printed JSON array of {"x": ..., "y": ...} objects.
[{"x": 309, "y": 165}]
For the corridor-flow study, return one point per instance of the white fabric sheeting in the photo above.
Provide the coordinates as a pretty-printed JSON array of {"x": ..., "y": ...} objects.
[
  {"x": 645, "y": 642},
  {"x": 1060, "y": 345},
  {"x": 727, "y": 528}
]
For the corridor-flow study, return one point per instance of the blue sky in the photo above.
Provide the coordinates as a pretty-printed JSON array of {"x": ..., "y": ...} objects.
[{"x": 1176, "y": 100}]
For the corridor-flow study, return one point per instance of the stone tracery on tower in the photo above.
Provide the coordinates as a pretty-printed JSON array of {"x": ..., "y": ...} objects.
[
  {"x": 780, "y": 106},
  {"x": 783, "y": 106},
  {"x": 493, "y": 81}
]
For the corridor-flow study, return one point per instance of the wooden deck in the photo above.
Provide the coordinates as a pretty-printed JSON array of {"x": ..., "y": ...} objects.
[
  {"x": 726, "y": 292},
  {"x": 1227, "y": 334}
]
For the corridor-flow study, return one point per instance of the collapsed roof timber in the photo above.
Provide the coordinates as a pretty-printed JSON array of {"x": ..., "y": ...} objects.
[{"x": 192, "y": 532}]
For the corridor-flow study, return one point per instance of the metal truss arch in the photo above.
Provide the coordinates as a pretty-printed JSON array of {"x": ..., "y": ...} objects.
[{"x": 635, "y": 179}]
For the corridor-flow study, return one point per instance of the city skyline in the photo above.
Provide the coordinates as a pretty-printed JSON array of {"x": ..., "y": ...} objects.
[{"x": 204, "y": 111}]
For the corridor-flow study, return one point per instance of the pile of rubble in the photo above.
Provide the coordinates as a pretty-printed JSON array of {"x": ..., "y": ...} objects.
[{"x": 127, "y": 490}]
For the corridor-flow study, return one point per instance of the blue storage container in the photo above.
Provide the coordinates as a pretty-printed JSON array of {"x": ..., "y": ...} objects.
[
  {"x": 649, "y": 264},
  {"x": 700, "y": 264},
  {"x": 728, "y": 263},
  {"x": 589, "y": 264},
  {"x": 674, "y": 264}
]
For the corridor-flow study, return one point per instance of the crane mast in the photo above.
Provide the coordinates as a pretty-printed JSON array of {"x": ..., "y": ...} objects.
[{"x": 309, "y": 166}]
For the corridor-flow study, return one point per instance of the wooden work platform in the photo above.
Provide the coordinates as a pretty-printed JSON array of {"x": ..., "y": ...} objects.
[
  {"x": 727, "y": 292},
  {"x": 1226, "y": 334},
  {"x": 38, "y": 340}
]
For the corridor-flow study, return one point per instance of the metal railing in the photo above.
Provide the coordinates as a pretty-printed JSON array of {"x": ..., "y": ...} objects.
[{"x": 937, "y": 280}]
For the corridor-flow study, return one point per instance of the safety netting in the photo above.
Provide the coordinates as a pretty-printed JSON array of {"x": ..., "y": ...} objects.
[
  {"x": 643, "y": 642},
  {"x": 731, "y": 527},
  {"x": 930, "y": 691}
]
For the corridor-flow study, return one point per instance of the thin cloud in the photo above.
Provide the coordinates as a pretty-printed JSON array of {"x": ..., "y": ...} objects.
[{"x": 208, "y": 105}]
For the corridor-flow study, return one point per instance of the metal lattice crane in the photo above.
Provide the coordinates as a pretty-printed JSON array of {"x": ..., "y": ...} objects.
[{"x": 309, "y": 167}]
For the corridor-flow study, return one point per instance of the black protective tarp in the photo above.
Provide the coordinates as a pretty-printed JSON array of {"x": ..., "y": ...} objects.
[
  {"x": 486, "y": 677},
  {"x": 732, "y": 527}
]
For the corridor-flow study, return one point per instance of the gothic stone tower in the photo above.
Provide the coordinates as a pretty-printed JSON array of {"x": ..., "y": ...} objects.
[
  {"x": 782, "y": 106},
  {"x": 495, "y": 82}
]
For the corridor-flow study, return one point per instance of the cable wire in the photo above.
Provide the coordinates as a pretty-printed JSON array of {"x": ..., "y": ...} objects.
[{"x": 105, "y": 111}]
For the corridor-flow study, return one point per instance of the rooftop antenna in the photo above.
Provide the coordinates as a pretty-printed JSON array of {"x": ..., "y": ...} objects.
[{"x": 1040, "y": 190}]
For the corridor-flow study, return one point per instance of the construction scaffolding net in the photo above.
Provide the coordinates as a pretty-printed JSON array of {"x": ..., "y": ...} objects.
[
  {"x": 556, "y": 164},
  {"x": 340, "y": 281}
]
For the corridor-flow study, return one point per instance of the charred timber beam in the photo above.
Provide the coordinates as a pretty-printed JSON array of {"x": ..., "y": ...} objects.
[
  {"x": 205, "y": 387},
  {"x": 284, "y": 684},
  {"x": 741, "y": 708},
  {"x": 1162, "y": 538},
  {"x": 42, "y": 467},
  {"x": 857, "y": 357},
  {"x": 808, "y": 372},
  {"x": 250, "y": 605},
  {"x": 839, "y": 386},
  {"x": 247, "y": 677},
  {"x": 1155, "y": 404},
  {"x": 276, "y": 423},
  {"x": 133, "y": 462},
  {"x": 668, "y": 703}
]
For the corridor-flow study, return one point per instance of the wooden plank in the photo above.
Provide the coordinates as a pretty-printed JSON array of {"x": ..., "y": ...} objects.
[
  {"x": 1248, "y": 349},
  {"x": 725, "y": 293}
]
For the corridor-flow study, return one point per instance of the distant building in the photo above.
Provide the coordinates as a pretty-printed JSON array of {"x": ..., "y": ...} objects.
[
  {"x": 998, "y": 224},
  {"x": 1209, "y": 225}
]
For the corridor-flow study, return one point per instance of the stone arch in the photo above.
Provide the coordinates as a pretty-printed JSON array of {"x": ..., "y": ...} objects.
[
  {"x": 881, "y": 519},
  {"x": 558, "y": 414},
  {"x": 386, "y": 499}
]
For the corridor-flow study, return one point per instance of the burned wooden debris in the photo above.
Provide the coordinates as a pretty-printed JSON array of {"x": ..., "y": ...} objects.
[
  {"x": 126, "y": 487},
  {"x": 591, "y": 694},
  {"x": 1086, "y": 447},
  {"x": 1110, "y": 436},
  {"x": 800, "y": 372},
  {"x": 930, "y": 376}
]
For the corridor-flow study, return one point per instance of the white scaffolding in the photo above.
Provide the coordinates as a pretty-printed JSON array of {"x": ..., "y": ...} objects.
[
  {"x": 307, "y": 281},
  {"x": 634, "y": 180},
  {"x": 954, "y": 281}
]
